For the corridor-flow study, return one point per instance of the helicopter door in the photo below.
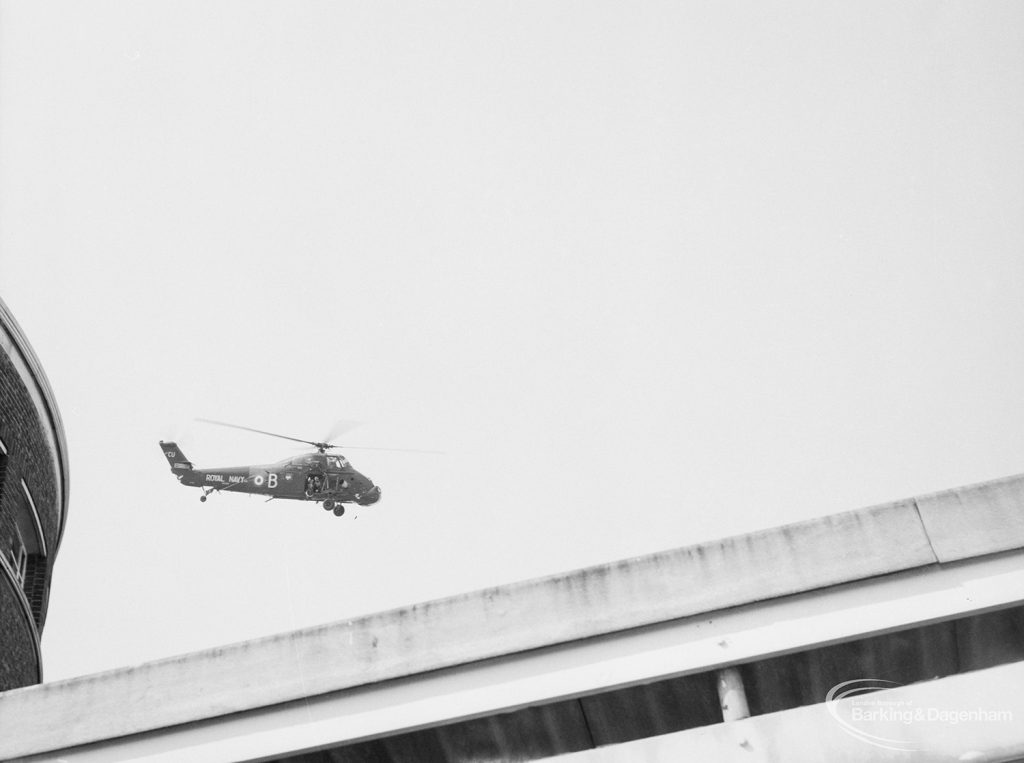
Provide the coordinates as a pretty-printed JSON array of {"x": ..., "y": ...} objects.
[
  {"x": 334, "y": 481},
  {"x": 315, "y": 483}
]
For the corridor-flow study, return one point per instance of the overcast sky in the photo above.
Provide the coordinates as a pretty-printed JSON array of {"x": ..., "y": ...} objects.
[{"x": 648, "y": 273}]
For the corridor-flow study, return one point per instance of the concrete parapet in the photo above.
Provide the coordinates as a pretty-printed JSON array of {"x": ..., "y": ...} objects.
[{"x": 496, "y": 622}]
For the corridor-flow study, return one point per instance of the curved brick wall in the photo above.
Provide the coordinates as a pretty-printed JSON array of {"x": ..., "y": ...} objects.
[
  {"x": 29, "y": 455},
  {"x": 19, "y": 665},
  {"x": 32, "y": 435}
]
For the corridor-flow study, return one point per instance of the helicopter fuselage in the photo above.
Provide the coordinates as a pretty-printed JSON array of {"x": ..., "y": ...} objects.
[{"x": 309, "y": 477}]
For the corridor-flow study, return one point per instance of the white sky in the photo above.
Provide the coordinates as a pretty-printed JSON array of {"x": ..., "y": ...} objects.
[{"x": 648, "y": 273}]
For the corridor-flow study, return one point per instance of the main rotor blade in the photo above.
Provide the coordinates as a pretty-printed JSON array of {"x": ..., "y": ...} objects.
[
  {"x": 258, "y": 431},
  {"x": 340, "y": 427},
  {"x": 345, "y": 425},
  {"x": 400, "y": 450}
]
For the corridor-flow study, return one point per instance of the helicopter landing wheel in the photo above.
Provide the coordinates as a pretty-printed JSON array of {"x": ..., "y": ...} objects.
[
  {"x": 202, "y": 499},
  {"x": 339, "y": 510},
  {"x": 328, "y": 505}
]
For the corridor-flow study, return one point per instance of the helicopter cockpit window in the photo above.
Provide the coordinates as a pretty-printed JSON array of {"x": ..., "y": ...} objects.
[{"x": 337, "y": 462}]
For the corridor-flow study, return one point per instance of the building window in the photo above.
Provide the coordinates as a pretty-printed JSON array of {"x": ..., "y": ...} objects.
[
  {"x": 19, "y": 556},
  {"x": 3, "y": 473},
  {"x": 31, "y": 514},
  {"x": 16, "y": 552},
  {"x": 28, "y": 552}
]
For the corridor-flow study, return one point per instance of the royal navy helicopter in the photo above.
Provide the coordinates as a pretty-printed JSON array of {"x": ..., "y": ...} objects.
[{"x": 321, "y": 477}]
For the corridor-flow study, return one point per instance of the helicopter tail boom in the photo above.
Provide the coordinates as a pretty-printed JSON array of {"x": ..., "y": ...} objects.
[{"x": 179, "y": 464}]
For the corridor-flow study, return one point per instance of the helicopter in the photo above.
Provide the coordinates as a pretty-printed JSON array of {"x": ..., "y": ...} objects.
[{"x": 320, "y": 477}]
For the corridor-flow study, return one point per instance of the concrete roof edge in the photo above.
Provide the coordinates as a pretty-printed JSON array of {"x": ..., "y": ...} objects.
[
  {"x": 644, "y": 590},
  {"x": 974, "y": 520}
]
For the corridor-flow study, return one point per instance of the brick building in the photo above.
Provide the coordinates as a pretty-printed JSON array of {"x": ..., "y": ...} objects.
[{"x": 33, "y": 503}]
